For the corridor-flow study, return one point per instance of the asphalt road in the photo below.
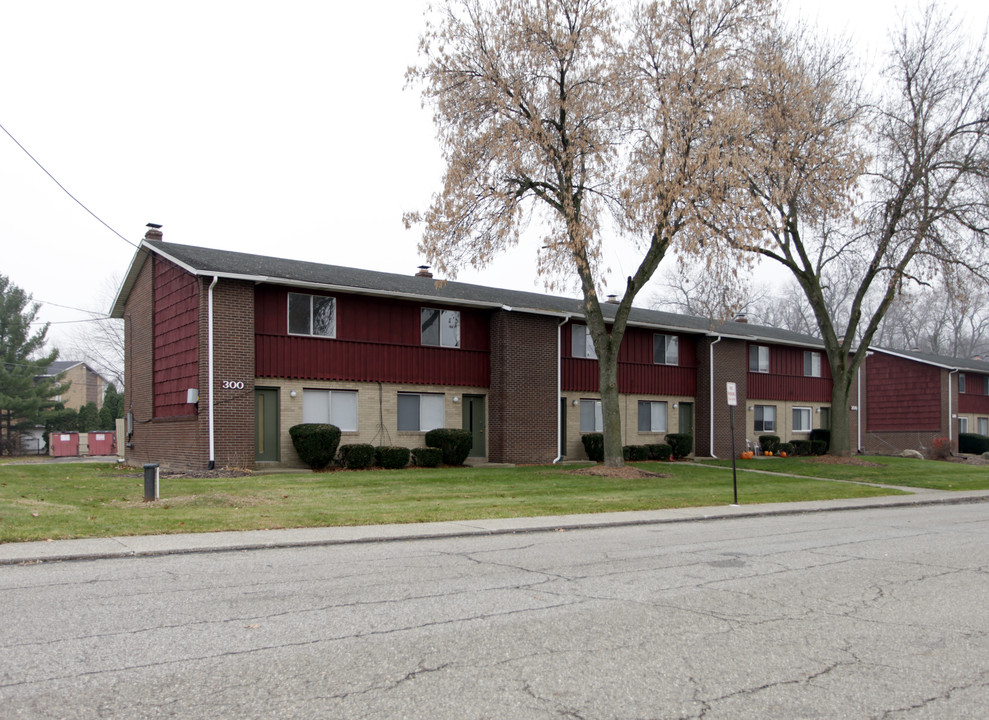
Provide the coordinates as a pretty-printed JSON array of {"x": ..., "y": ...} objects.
[{"x": 866, "y": 614}]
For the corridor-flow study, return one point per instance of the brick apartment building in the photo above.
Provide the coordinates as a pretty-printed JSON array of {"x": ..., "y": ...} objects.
[{"x": 226, "y": 351}]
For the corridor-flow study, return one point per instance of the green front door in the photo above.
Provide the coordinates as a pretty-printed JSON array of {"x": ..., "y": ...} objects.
[
  {"x": 266, "y": 425},
  {"x": 474, "y": 420},
  {"x": 686, "y": 418}
]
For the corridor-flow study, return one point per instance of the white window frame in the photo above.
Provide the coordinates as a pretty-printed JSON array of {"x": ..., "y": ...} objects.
[
  {"x": 961, "y": 383},
  {"x": 581, "y": 343},
  {"x": 761, "y": 357},
  {"x": 963, "y": 425},
  {"x": 430, "y": 411},
  {"x": 333, "y": 407},
  {"x": 597, "y": 424},
  {"x": 812, "y": 363},
  {"x": 982, "y": 424},
  {"x": 760, "y": 410},
  {"x": 803, "y": 411},
  {"x": 311, "y": 332},
  {"x": 671, "y": 349},
  {"x": 448, "y": 330},
  {"x": 658, "y": 418}
]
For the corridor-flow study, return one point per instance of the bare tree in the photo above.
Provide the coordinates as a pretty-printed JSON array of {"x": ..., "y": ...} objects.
[
  {"x": 925, "y": 202},
  {"x": 100, "y": 340},
  {"x": 541, "y": 104}
]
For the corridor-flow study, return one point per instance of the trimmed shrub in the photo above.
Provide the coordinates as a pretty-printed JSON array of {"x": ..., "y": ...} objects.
[
  {"x": 315, "y": 443},
  {"x": 821, "y": 435},
  {"x": 391, "y": 458},
  {"x": 594, "y": 446},
  {"x": 818, "y": 447},
  {"x": 786, "y": 448},
  {"x": 635, "y": 453},
  {"x": 427, "y": 456},
  {"x": 454, "y": 443},
  {"x": 769, "y": 443},
  {"x": 358, "y": 456},
  {"x": 972, "y": 443},
  {"x": 660, "y": 451},
  {"x": 801, "y": 447},
  {"x": 681, "y": 443}
]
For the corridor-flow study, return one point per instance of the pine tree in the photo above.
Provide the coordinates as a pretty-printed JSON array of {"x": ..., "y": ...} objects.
[{"x": 26, "y": 390}]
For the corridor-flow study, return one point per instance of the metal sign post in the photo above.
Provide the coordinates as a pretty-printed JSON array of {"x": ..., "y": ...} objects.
[{"x": 732, "y": 402}]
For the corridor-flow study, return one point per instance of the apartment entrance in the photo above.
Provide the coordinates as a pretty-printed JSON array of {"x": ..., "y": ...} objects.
[
  {"x": 686, "y": 418},
  {"x": 474, "y": 421},
  {"x": 266, "y": 425}
]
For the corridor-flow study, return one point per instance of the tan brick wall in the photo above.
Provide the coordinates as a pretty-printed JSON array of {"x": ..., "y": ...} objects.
[{"x": 377, "y": 412}]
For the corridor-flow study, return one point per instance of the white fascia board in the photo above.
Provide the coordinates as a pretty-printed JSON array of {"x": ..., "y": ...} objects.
[{"x": 922, "y": 361}]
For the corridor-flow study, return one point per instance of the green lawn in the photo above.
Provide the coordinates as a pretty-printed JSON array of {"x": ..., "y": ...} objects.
[
  {"x": 907, "y": 472},
  {"x": 41, "y": 501}
]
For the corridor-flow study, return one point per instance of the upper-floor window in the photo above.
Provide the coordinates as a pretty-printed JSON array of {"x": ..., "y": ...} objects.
[
  {"x": 440, "y": 327},
  {"x": 665, "y": 349},
  {"x": 961, "y": 382},
  {"x": 985, "y": 385},
  {"x": 759, "y": 358},
  {"x": 582, "y": 345},
  {"x": 312, "y": 315},
  {"x": 812, "y": 363}
]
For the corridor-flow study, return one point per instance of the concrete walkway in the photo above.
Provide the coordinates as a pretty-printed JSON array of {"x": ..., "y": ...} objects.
[{"x": 149, "y": 545}]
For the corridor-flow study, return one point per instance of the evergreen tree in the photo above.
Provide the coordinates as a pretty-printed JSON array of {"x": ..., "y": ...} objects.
[
  {"x": 26, "y": 390},
  {"x": 89, "y": 418},
  {"x": 113, "y": 407}
]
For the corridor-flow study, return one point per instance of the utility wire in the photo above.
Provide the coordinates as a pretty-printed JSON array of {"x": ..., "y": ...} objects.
[{"x": 66, "y": 191}]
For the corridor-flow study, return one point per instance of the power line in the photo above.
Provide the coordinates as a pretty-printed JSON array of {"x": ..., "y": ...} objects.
[{"x": 79, "y": 202}]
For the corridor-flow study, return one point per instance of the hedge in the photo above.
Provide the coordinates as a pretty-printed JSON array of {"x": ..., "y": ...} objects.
[
  {"x": 358, "y": 456},
  {"x": 769, "y": 443},
  {"x": 427, "y": 456},
  {"x": 315, "y": 443},
  {"x": 391, "y": 458},
  {"x": 635, "y": 453},
  {"x": 973, "y": 443},
  {"x": 660, "y": 451},
  {"x": 594, "y": 446},
  {"x": 821, "y": 436},
  {"x": 681, "y": 443},
  {"x": 454, "y": 442}
]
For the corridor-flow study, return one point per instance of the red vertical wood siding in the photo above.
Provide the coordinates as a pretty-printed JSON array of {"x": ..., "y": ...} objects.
[
  {"x": 176, "y": 342},
  {"x": 786, "y": 380},
  {"x": 377, "y": 339},
  {"x": 637, "y": 373},
  {"x": 974, "y": 399},
  {"x": 901, "y": 395}
]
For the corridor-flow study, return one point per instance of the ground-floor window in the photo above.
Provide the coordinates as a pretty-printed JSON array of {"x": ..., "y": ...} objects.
[
  {"x": 963, "y": 424},
  {"x": 420, "y": 411},
  {"x": 983, "y": 424},
  {"x": 591, "y": 418},
  {"x": 765, "y": 418},
  {"x": 333, "y": 407},
  {"x": 652, "y": 416},
  {"x": 801, "y": 419}
]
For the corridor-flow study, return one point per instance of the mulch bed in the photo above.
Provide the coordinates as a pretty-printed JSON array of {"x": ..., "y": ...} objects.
[{"x": 626, "y": 472}]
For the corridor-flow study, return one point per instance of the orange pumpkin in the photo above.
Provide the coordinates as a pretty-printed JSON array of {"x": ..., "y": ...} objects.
[
  {"x": 748, "y": 455},
  {"x": 783, "y": 453},
  {"x": 769, "y": 453}
]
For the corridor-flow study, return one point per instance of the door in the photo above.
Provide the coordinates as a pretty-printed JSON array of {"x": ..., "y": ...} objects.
[
  {"x": 474, "y": 421},
  {"x": 686, "y": 418},
  {"x": 563, "y": 428},
  {"x": 266, "y": 425}
]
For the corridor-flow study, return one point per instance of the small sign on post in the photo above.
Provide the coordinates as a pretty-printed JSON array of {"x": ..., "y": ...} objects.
[{"x": 732, "y": 402}]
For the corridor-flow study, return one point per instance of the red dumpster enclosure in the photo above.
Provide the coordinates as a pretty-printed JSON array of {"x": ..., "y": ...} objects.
[
  {"x": 65, "y": 444},
  {"x": 102, "y": 443}
]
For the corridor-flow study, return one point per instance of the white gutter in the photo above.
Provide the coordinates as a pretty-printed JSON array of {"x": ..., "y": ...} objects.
[
  {"x": 711, "y": 391},
  {"x": 212, "y": 449},
  {"x": 951, "y": 425},
  {"x": 559, "y": 388}
]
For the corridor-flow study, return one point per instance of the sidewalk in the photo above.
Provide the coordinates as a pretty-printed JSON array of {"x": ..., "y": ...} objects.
[{"x": 150, "y": 545}]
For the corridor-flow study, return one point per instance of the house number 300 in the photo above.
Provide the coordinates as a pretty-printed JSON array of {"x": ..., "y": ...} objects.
[{"x": 232, "y": 385}]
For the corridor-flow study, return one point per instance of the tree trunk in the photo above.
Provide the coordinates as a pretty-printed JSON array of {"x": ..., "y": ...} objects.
[
  {"x": 841, "y": 414},
  {"x": 610, "y": 408}
]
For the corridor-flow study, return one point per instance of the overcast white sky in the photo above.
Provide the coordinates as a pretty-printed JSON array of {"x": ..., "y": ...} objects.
[{"x": 280, "y": 129}]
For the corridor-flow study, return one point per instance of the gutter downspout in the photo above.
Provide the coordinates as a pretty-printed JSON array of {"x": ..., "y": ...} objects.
[
  {"x": 559, "y": 387},
  {"x": 951, "y": 425},
  {"x": 209, "y": 352},
  {"x": 859, "y": 412},
  {"x": 711, "y": 391}
]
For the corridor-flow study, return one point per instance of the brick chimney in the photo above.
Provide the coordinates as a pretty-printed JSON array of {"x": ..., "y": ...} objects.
[
  {"x": 612, "y": 300},
  {"x": 154, "y": 232},
  {"x": 424, "y": 272},
  {"x": 742, "y": 318}
]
